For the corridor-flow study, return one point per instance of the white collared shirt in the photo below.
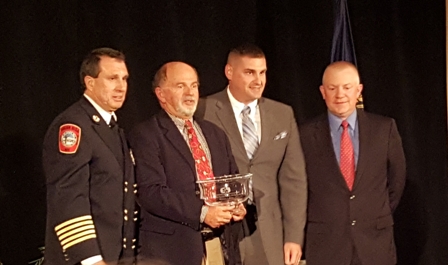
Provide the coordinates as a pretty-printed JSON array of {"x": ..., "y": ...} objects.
[
  {"x": 104, "y": 114},
  {"x": 254, "y": 115}
]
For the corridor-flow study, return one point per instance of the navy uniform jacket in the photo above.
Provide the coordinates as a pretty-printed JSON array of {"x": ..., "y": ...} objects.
[
  {"x": 168, "y": 193},
  {"x": 90, "y": 189}
]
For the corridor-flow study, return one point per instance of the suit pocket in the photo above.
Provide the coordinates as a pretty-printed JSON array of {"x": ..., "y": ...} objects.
[{"x": 384, "y": 222}]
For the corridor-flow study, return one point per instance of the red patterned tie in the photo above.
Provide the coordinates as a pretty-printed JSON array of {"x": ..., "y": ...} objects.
[
  {"x": 202, "y": 164},
  {"x": 203, "y": 168},
  {"x": 347, "y": 162}
]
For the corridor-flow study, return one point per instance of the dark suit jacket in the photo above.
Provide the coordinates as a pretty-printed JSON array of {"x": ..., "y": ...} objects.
[
  {"x": 168, "y": 193},
  {"x": 97, "y": 182},
  {"x": 340, "y": 219},
  {"x": 278, "y": 167}
]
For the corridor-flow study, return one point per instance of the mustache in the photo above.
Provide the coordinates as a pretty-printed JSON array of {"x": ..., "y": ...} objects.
[{"x": 190, "y": 98}]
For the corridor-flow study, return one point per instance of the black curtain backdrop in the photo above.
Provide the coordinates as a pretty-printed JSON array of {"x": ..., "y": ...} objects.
[{"x": 400, "y": 47}]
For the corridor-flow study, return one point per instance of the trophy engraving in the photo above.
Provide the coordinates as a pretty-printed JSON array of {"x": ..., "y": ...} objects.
[{"x": 225, "y": 190}]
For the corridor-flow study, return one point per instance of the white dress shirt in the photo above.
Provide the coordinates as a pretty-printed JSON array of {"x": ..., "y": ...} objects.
[
  {"x": 254, "y": 115},
  {"x": 104, "y": 114}
]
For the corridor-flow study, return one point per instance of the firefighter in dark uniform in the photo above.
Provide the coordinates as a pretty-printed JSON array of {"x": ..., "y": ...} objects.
[{"x": 88, "y": 165}]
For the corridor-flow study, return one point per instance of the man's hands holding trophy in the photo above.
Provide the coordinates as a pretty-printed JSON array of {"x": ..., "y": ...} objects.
[
  {"x": 221, "y": 215},
  {"x": 224, "y": 196}
]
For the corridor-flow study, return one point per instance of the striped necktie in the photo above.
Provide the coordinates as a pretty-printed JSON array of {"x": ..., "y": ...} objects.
[
  {"x": 250, "y": 137},
  {"x": 250, "y": 140}
]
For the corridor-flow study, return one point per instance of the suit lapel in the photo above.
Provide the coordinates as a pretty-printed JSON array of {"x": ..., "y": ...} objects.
[
  {"x": 322, "y": 138},
  {"x": 214, "y": 147},
  {"x": 266, "y": 122},
  {"x": 128, "y": 163},
  {"x": 226, "y": 116},
  {"x": 101, "y": 128},
  {"x": 364, "y": 146},
  {"x": 175, "y": 137}
]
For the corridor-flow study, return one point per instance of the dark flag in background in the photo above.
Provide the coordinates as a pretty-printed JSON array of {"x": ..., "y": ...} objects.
[{"x": 343, "y": 48}]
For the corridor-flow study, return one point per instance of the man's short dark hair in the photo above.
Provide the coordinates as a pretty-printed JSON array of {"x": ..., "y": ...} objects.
[
  {"x": 90, "y": 64},
  {"x": 247, "y": 49}
]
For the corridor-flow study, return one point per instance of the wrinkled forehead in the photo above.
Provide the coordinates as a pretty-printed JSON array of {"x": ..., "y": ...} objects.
[{"x": 181, "y": 73}]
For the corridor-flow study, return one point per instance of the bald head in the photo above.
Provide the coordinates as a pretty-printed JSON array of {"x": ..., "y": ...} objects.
[
  {"x": 341, "y": 88},
  {"x": 161, "y": 74},
  {"x": 336, "y": 68},
  {"x": 176, "y": 86}
]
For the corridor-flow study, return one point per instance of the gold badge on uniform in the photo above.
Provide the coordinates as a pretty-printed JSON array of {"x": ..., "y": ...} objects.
[{"x": 96, "y": 118}]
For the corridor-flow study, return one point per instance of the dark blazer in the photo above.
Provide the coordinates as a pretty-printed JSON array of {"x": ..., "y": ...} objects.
[
  {"x": 339, "y": 219},
  {"x": 278, "y": 168},
  {"x": 168, "y": 193},
  {"x": 94, "y": 184}
]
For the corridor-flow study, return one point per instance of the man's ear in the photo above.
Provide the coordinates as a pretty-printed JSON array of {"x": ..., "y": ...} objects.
[
  {"x": 160, "y": 95},
  {"x": 322, "y": 91},
  {"x": 89, "y": 82},
  {"x": 228, "y": 71},
  {"x": 360, "y": 87}
]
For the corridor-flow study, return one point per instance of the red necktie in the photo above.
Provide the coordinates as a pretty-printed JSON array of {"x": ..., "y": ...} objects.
[
  {"x": 203, "y": 168},
  {"x": 347, "y": 162},
  {"x": 202, "y": 164}
]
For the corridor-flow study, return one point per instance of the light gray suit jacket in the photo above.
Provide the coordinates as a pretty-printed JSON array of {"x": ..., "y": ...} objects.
[{"x": 278, "y": 167}]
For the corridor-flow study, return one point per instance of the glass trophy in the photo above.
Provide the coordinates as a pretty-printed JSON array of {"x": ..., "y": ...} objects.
[{"x": 227, "y": 190}]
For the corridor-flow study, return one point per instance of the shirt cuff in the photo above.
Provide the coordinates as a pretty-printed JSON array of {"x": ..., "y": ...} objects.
[
  {"x": 204, "y": 211},
  {"x": 92, "y": 260}
]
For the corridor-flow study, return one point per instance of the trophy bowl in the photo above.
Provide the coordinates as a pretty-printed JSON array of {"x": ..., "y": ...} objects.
[{"x": 225, "y": 190}]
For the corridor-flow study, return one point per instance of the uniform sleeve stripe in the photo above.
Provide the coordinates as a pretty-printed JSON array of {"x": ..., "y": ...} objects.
[
  {"x": 73, "y": 226},
  {"x": 77, "y": 238},
  {"x": 77, "y": 241},
  {"x": 74, "y": 220},
  {"x": 76, "y": 231}
]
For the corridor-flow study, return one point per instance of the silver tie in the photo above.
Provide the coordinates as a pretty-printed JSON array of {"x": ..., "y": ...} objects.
[{"x": 250, "y": 139}]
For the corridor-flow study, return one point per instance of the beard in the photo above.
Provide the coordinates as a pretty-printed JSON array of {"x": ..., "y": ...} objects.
[{"x": 188, "y": 112}]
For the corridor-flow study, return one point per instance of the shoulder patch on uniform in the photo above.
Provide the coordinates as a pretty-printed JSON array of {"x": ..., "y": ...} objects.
[{"x": 69, "y": 138}]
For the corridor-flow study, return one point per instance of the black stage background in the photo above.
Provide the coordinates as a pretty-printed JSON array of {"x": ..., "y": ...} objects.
[{"x": 401, "y": 56}]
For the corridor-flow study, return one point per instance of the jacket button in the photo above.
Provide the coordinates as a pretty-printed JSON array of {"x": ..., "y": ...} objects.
[
  {"x": 354, "y": 222},
  {"x": 198, "y": 192},
  {"x": 352, "y": 197}
]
